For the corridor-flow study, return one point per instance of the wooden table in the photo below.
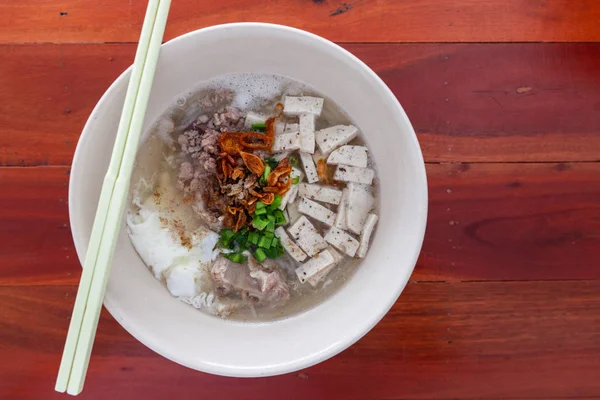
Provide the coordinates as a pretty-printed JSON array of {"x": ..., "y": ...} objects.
[{"x": 505, "y": 96}]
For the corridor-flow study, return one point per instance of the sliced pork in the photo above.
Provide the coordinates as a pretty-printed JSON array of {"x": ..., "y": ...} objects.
[{"x": 261, "y": 284}]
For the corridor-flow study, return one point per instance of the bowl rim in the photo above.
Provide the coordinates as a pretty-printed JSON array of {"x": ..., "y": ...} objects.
[{"x": 295, "y": 364}]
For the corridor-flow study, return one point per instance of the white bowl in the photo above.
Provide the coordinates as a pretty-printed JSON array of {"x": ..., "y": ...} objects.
[{"x": 191, "y": 338}]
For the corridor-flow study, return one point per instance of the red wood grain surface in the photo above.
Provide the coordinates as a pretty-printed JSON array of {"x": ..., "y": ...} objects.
[
  {"x": 486, "y": 222},
  {"x": 504, "y": 302},
  {"x": 493, "y": 340},
  {"x": 468, "y": 103},
  {"x": 350, "y": 21},
  {"x": 36, "y": 239}
]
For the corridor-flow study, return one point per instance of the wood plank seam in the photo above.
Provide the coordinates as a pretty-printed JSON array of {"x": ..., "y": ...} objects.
[
  {"x": 351, "y": 21},
  {"x": 467, "y": 103}
]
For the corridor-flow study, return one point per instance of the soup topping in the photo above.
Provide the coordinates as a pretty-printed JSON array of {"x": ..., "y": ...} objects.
[{"x": 272, "y": 186}]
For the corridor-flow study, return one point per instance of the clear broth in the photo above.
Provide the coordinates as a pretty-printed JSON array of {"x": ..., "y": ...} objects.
[{"x": 159, "y": 157}]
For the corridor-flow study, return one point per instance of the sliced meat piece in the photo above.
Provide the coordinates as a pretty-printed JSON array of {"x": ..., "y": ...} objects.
[
  {"x": 311, "y": 242},
  {"x": 359, "y": 202},
  {"x": 325, "y": 194},
  {"x": 309, "y": 167},
  {"x": 300, "y": 225},
  {"x": 348, "y": 173},
  {"x": 316, "y": 211},
  {"x": 329, "y": 139},
  {"x": 356, "y": 156},
  {"x": 250, "y": 282},
  {"x": 340, "y": 218},
  {"x": 307, "y": 237},
  {"x": 270, "y": 280},
  {"x": 319, "y": 276},
  {"x": 307, "y": 133},
  {"x": 286, "y": 142},
  {"x": 365, "y": 236},
  {"x": 288, "y": 244},
  {"x": 230, "y": 277},
  {"x": 315, "y": 265},
  {"x": 342, "y": 241},
  {"x": 294, "y": 106}
]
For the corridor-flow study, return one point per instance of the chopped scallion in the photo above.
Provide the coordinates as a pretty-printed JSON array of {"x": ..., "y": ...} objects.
[
  {"x": 279, "y": 217},
  {"x": 253, "y": 238},
  {"x": 226, "y": 238},
  {"x": 270, "y": 227},
  {"x": 227, "y": 234},
  {"x": 236, "y": 257},
  {"x": 265, "y": 175},
  {"x": 264, "y": 242},
  {"x": 273, "y": 163},
  {"x": 260, "y": 255},
  {"x": 275, "y": 251},
  {"x": 259, "y": 223},
  {"x": 276, "y": 203},
  {"x": 259, "y": 127},
  {"x": 271, "y": 252},
  {"x": 260, "y": 211}
]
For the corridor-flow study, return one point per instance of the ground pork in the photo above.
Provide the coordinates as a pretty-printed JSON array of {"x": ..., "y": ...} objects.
[
  {"x": 200, "y": 150},
  {"x": 215, "y": 98}
]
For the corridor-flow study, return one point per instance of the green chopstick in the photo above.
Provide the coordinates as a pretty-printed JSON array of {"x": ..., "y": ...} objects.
[{"x": 97, "y": 263}]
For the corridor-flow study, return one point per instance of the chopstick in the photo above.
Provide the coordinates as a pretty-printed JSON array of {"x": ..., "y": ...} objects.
[{"x": 107, "y": 221}]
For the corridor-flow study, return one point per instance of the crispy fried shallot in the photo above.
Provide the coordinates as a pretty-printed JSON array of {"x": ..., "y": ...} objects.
[
  {"x": 254, "y": 193},
  {"x": 284, "y": 187},
  {"x": 230, "y": 142},
  {"x": 267, "y": 198},
  {"x": 225, "y": 168},
  {"x": 241, "y": 221},
  {"x": 238, "y": 172},
  {"x": 228, "y": 158},
  {"x": 255, "y": 141},
  {"x": 253, "y": 162},
  {"x": 322, "y": 171},
  {"x": 234, "y": 210},
  {"x": 278, "y": 109},
  {"x": 283, "y": 170}
]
